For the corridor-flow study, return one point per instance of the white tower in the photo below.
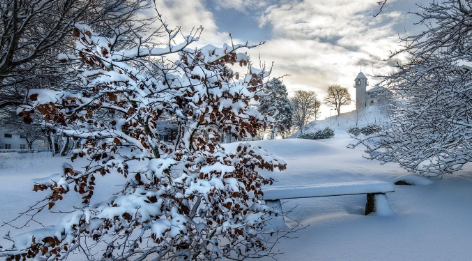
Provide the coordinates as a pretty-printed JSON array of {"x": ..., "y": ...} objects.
[{"x": 361, "y": 86}]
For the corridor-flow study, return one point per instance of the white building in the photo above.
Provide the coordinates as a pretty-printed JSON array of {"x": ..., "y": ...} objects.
[
  {"x": 364, "y": 97},
  {"x": 11, "y": 141}
]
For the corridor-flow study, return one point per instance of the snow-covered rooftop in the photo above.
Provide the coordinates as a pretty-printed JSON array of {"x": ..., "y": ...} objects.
[{"x": 377, "y": 89}]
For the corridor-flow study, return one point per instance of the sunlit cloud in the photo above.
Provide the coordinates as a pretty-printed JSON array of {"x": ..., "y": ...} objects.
[
  {"x": 325, "y": 42},
  {"x": 317, "y": 43}
]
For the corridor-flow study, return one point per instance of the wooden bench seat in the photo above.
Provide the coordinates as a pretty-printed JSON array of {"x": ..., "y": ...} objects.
[{"x": 375, "y": 190}]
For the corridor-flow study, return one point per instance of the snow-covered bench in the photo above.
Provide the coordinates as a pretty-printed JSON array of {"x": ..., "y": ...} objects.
[{"x": 375, "y": 190}]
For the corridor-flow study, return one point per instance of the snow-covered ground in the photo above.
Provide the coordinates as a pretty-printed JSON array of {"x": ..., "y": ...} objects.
[{"x": 432, "y": 221}]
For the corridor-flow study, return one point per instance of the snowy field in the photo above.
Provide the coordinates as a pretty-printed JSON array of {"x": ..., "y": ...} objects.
[{"x": 432, "y": 221}]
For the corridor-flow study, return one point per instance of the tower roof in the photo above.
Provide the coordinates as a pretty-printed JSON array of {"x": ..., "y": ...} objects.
[{"x": 361, "y": 76}]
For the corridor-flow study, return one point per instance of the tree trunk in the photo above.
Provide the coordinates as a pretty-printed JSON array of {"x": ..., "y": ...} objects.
[
  {"x": 65, "y": 148},
  {"x": 52, "y": 144}
]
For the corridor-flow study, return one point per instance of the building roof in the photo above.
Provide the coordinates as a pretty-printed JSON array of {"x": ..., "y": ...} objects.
[
  {"x": 377, "y": 89},
  {"x": 361, "y": 76}
]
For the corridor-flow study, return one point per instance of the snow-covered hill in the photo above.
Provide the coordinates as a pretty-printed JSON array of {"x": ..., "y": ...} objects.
[{"x": 340, "y": 124}]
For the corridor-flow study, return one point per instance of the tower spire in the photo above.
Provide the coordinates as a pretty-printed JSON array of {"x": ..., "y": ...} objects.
[{"x": 360, "y": 83}]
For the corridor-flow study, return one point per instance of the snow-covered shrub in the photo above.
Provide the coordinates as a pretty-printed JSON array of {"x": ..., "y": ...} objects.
[
  {"x": 326, "y": 133},
  {"x": 367, "y": 130},
  {"x": 413, "y": 180},
  {"x": 354, "y": 131},
  {"x": 370, "y": 129},
  {"x": 308, "y": 136},
  {"x": 185, "y": 200}
]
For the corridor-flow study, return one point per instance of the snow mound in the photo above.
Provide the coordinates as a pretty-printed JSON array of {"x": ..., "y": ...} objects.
[
  {"x": 413, "y": 180},
  {"x": 382, "y": 208}
]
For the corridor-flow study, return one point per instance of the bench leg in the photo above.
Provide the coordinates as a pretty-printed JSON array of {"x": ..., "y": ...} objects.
[
  {"x": 275, "y": 222},
  {"x": 378, "y": 203}
]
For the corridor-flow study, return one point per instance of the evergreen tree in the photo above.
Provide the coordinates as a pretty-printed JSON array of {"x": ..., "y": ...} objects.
[{"x": 277, "y": 104}]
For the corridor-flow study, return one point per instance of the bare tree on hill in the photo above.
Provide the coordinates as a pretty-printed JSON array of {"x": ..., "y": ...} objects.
[
  {"x": 305, "y": 107},
  {"x": 337, "y": 96}
]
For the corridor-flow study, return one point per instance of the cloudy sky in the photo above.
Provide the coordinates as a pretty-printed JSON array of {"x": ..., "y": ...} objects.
[{"x": 315, "y": 42}]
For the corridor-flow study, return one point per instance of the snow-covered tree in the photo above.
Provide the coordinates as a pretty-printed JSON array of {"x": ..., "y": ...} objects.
[
  {"x": 431, "y": 128},
  {"x": 337, "y": 96},
  {"x": 305, "y": 106},
  {"x": 186, "y": 200},
  {"x": 31, "y": 133},
  {"x": 34, "y": 33},
  {"x": 275, "y": 103}
]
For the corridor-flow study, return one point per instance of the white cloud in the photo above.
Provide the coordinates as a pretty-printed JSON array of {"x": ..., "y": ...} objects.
[
  {"x": 242, "y": 5},
  {"x": 325, "y": 42},
  {"x": 190, "y": 14}
]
